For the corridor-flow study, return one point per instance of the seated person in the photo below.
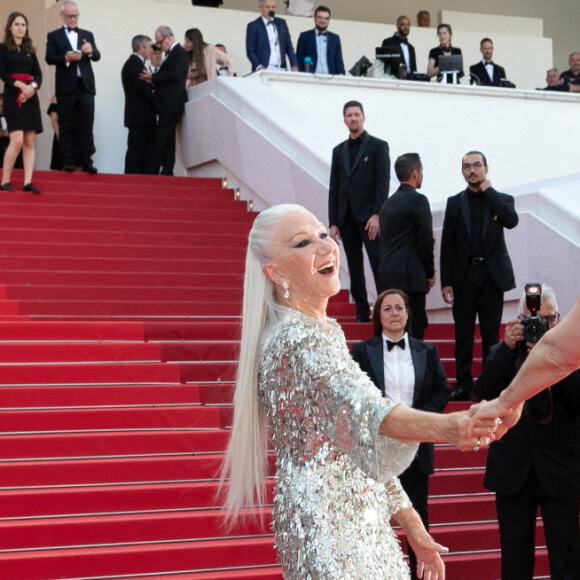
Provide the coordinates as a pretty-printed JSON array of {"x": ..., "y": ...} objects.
[
  {"x": 553, "y": 82},
  {"x": 444, "y": 49},
  {"x": 400, "y": 39},
  {"x": 571, "y": 78},
  {"x": 486, "y": 72}
]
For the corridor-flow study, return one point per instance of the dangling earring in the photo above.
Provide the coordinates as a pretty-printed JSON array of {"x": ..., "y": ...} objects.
[{"x": 286, "y": 292}]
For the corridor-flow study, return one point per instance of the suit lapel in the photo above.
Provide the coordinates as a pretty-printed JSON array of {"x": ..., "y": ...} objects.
[
  {"x": 419, "y": 356},
  {"x": 375, "y": 353},
  {"x": 464, "y": 200}
]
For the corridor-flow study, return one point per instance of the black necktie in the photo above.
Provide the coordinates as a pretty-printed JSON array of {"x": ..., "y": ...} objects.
[{"x": 391, "y": 344}]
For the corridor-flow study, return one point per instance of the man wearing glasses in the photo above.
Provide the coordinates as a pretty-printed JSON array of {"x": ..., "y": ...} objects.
[
  {"x": 537, "y": 463},
  {"x": 73, "y": 50},
  {"x": 475, "y": 265}
]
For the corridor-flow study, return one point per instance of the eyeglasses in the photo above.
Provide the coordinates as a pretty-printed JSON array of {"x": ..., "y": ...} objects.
[
  {"x": 476, "y": 165},
  {"x": 159, "y": 42},
  {"x": 552, "y": 318}
]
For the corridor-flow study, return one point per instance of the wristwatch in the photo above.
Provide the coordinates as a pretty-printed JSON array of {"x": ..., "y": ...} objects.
[{"x": 34, "y": 85}]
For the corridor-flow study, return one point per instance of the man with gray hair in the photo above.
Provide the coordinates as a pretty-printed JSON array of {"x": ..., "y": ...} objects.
[
  {"x": 140, "y": 116},
  {"x": 169, "y": 98},
  {"x": 537, "y": 463},
  {"x": 73, "y": 51}
]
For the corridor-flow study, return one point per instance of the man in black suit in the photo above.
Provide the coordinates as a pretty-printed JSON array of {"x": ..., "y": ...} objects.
[
  {"x": 537, "y": 463},
  {"x": 407, "y": 371},
  {"x": 140, "y": 116},
  {"x": 401, "y": 39},
  {"x": 359, "y": 185},
  {"x": 486, "y": 72},
  {"x": 476, "y": 268},
  {"x": 321, "y": 46},
  {"x": 73, "y": 50},
  {"x": 169, "y": 98},
  {"x": 407, "y": 259}
]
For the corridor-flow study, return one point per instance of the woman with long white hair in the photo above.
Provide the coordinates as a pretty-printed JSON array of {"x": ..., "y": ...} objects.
[{"x": 339, "y": 445}]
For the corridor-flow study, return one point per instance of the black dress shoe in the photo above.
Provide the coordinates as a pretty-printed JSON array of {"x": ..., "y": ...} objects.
[
  {"x": 90, "y": 169},
  {"x": 69, "y": 167},
  {"x": 30, "y": 188},
  {"x": 461, "y": 394},
  {"x": 6, "y": 187}
]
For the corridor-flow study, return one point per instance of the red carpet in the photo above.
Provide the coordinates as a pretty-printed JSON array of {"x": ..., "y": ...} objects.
[{"x": 119, "y": 316}]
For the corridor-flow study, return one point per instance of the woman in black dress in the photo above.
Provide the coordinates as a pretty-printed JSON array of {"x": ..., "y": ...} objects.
[
  {"x": 20, "y": 71},
  {"x": 444, "y": 49}
]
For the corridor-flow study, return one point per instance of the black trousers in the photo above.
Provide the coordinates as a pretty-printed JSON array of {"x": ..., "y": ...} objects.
[
  {"x": 416, "y": 485},
  {"x": 478, "y": 296},
  {"x": 419, "y": 321},
  {"x": 164, "y": 158},
  {"x": 140, "y": 149},
  {"x": 76, "y": 116},
  {"x": 517, "y": 528},
  {"x": 354, "y": 237}
]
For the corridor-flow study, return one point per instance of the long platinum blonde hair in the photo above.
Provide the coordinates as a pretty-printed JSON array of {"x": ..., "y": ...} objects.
[{"x": 245, "y": 462}]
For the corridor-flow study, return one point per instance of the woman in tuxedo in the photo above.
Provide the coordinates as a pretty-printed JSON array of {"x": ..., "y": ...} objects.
[
  {"x": 409, "y": 371},
  {"x": 444, "y": 49}
]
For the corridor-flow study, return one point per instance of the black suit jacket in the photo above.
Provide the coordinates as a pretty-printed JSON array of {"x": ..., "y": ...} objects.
[
  {"x": 57, "y": 45},
  {"x": 364, "y": 186},
  {"x": 406, "y": 226},
  {"x": 499, "y": 213},
  {"x": 431, "y": 387},
  {"x": 552, "y": 450},
  {"x": 307, "y": 47},
  {"x": 397, "y": 41},
  {"x": 138, "y": 94},
  {"x": 479, "y": 71},
  {"x": 170, "y": 94}
]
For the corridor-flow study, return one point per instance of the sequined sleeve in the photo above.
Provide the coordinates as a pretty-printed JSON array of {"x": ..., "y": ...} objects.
[{"x": 317, "y": 391}]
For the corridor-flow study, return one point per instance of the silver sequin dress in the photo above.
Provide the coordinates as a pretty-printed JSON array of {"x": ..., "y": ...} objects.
[{"x": 335, "y": 475}]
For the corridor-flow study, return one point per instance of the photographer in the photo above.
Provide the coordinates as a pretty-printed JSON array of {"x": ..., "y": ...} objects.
[{"x": 537, "y": 463}]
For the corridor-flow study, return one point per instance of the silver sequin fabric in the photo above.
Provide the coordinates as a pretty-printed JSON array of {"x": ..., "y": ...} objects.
[{"x": 336, "y": 485}]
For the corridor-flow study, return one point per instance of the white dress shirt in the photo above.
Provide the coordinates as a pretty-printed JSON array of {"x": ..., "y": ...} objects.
[
  {"x": 399, "y": 372},
  {"x": 275, "y": 61},
  {"x": 321, "y": 49}
]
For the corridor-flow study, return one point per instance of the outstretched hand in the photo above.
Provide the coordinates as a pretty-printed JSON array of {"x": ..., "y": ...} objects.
[
  {"x": 487, "y": 409},
  {"x": 430, "y": 566}
]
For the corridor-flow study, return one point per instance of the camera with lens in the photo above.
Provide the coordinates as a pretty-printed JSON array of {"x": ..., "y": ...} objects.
[{"x": 534, "y": 326}]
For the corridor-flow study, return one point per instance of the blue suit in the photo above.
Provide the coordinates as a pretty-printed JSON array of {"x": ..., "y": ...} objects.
[
  {"x": 307, "y": 47},
  {"x": 258, "y": 45}
]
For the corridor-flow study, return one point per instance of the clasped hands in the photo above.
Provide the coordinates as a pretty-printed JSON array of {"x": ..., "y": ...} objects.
[{"x": 484, "y": 423}]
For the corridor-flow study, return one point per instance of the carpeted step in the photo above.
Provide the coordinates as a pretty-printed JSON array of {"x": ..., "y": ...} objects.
[
  {"x": 40, "y": 352},
  {"x": 455, "y": 482},
  {"x": 79, "y": 331},
  {"x": 97, "y": 395},
  {"x": 92, "y": 500},
  {"x": 470, "y": 508},
  {"x": 141, "y": 559},
  {"x": 190, "y": 416},
  {"x": 154, "y": 441},
  {"x": 200, "y": 351},
  {"x": 88, "y": 374},
  {"x": 199, "y": 330}
]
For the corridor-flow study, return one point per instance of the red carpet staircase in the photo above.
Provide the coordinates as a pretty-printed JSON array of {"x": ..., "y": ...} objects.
[{"x": 118, "y": 328}]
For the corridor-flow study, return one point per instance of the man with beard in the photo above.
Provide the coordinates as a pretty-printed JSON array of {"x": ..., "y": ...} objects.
[
  {"x": 476, "y": 268},
  {"x": 359, "y": 185},
  {"x": 400, "y": 39},
  {"x": 322, "y": 47},
  {"x": 486, "y": 72}
]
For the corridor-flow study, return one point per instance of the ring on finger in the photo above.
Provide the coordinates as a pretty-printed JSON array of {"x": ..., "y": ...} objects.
[{"x": 477, "y": 444}]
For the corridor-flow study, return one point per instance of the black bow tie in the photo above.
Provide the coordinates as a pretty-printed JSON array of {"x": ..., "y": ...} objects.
[
  {"x": 71, "y": 29},
  {"x": 322, "y": 34},
  {"x": 391, "y": 345}
]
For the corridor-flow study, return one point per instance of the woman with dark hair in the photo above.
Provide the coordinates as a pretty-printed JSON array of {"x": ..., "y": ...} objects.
[
  {"x": 339, "y": 445},
  {"x": 409, "y": 371},
  {"x": 20, "y": 71},
  {"x": 204, "y": 58},
  {"x": 444, "y": 49}
]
